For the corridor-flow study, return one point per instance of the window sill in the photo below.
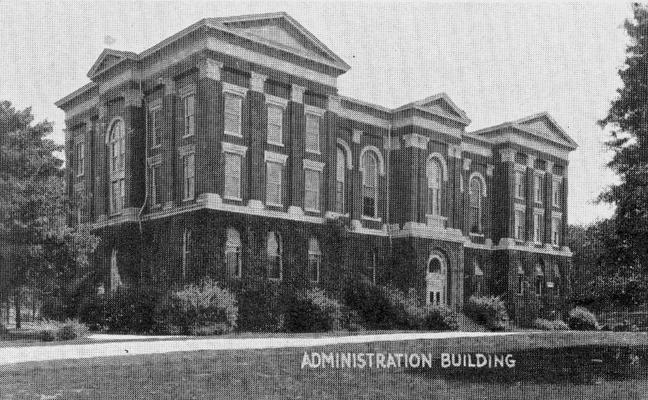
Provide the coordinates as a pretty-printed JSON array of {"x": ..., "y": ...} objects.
[
  {"x": 475, "y": 234},
  {"x": 374, "y": 219},
  {"x": 80, "y": 175},
  {"x": 519, "y": 198},
  {"x": 156, "y": 146},
  {"x": 316, "y": 152},
  {"x": 274, "y": 279},
  {"x": 188, "y": 136},
  {"x": 115, "y": 214},
  {"x": 274, "y": 204},
  {"x": 188, "y": 199},
  {"x": 312, "y": 210},
  {"x": 232, "y": 198},
  {"x": 238, "y": 135},
  {"x": 276, "y": 144}
]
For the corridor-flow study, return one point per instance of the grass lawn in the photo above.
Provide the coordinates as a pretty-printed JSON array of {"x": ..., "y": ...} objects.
[{"x": 588, "y": 365}]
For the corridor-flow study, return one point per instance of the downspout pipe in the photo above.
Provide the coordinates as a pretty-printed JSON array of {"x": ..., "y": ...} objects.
[{"x": 146, "y": 182}]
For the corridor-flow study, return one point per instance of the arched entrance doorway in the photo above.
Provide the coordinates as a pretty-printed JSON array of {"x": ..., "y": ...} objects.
[{"x": 436, "y": 281}]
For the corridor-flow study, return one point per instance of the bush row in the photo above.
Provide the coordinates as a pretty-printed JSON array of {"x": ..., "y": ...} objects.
[
  {"x": 489, "y": 311},
  {"x": 384, "y": 307},
  {"x": 549, "y": 325},
  {"x": 49, "y": 331}
]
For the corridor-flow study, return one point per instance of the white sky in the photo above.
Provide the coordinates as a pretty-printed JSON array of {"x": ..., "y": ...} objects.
[{"x": 498, "y": 62}]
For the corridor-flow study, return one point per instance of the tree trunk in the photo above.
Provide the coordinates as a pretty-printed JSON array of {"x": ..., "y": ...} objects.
[{"x": 18, "y": 305}]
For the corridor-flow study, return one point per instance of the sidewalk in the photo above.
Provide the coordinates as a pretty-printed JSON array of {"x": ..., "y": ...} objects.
[{"x": 13, "y": 355}]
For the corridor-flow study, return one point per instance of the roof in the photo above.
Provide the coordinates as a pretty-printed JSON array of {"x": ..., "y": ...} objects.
[
  {"x": 439, "y": 104},
  {"x": 540, "y": 125},
  {"x": 276, "y": 30}
]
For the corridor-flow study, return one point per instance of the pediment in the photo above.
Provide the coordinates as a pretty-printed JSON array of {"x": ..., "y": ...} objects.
[
  {"x": 442, "y": 106},
  {"x": 281, "y": 31},
  {"x": 543, "y": 125},
  {"x": 107, "y": 59}
]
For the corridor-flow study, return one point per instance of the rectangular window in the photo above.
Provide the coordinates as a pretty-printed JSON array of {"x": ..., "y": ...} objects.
[
  {"x": 519, "y": 225},
  {"x": 555, "y": 231},
  {"x": 312, "y": 133},
  {"x": 233, "y": 105},
  {"x": 117, "y": 196},
  {"x": 189, "y": 120},
  {"x": 556, "y": 193},
  {"x": 155, "y": 185},
  {"x": 520, "y": 284},
  {"x": 538, "y": 188},
  {"x": 312, "y": 196},
  {"x": 273, "y": 183},
  {"x": 188, "y": 176},
  {"x": 275, "y": 124},
  {"x": 156, "y": 127},
  {"x": 519, "y": 185},
  {"x": 232, "y": 176},
  {"x": 539, "y": 284},
  {"x": 537, "y": 228},
  {"x": 80, "y": 158}
]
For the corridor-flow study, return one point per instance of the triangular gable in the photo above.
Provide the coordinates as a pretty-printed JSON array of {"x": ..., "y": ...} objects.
[
  {"x": 543, "y": 125},
  {"x": 281, "y": 30},
  {"x": 439, "y": 104},
  {"x": 108, "y": 58}
]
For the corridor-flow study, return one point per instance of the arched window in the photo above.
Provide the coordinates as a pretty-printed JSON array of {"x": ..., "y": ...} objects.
[
  {"x": 370, "y": 185},
  {"x": 275, "y": 256},
  {"x": 339, "y": 184},
  {"x": 434, "y": 174},
  {"x": 116, "y": 143},
  {"x": 233, "y": 259},
  {"x": 314, "y": 260},
  {"x": 476, "y": 191},
  {"x": 434, "y": 266},
  {"x": 556, "y": 273},
  {"x": 436, "y": 280}
]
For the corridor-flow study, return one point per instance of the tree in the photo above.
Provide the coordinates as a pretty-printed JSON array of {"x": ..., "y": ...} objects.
[
  {"x": 32, "y": 198},
  {"x": 628, "y": 119}
]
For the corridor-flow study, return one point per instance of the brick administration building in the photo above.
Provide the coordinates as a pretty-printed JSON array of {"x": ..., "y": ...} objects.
[{"x": 226, "y": 150}]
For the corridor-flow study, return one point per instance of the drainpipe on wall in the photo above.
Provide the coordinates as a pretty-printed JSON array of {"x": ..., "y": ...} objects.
[
  {"x": 146, "y": 186},
  {"x": 389, "y": 150}
]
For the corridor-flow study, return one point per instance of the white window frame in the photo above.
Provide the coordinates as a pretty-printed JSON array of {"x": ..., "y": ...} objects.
[
  {"x": 234, "y": 248},
  {"x": 538, "y": 222},
  {"x": 233, "y": 150},
  {"x": 538, "y": 190},
  {"x": 376, "y": 184},
  {"x": 80, "y": 158},
  {"x": 556, "y": 191},
  {"x": 238, "y": 94},
  {"x": 276, "y": 103},
  {"x": 188, "y": 187},
  {"x": 519, "y": 185},
  {"x": 188, "y": 121},
  {"x": 278, "y": 183},
  {"x": 480, "y": 202},
  {"x": 519, "y": 222},
  {"x": 186, "y": 251},
  {"x": 117, "y": 161},
  {"x": 117, "y": 200},
  {"x": 154, "y": 120},
  {"x": 318, "y": 113},
  {"x": 154, "y": 184},
  {"x": 434, "y": 189},
  {"x": 318, "y": 168}
]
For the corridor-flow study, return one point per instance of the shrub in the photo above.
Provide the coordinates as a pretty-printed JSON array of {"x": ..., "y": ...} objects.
[
  {"x": 380, "y": 307},
  {"x": 91, "y": 311},
  {"x": 581, "y": 319},
  {"x": 549, "y": 325},
  {"x": 205, "y": 308},
  {"x": 487, "y": 310},
  {"x": 71, "y": 329},
  {"x": 440, "y": 318},
  {"x": 3, "y": 329},
  {"x": 329, "y": 309},
  {"x": 258, "y": 305}
]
